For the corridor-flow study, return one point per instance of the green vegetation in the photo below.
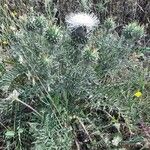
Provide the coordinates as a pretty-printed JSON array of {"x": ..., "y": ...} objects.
[{"x": 57, "y": 94}]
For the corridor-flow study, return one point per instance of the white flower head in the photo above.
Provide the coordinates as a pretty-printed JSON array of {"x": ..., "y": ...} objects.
[
  {"x": 75, "y": 20},
  {"x": 13, "y": 96}
]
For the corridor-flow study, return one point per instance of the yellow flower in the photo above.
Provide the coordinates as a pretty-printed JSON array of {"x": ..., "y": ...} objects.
[
  {"x": 14, "y": 13},
  {"x": 138, "y": 94},
  {"x": 5, "y": 43}
]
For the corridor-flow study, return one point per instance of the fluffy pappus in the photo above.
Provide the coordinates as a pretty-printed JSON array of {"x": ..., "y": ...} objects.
[{"x": 75, "y": 20}]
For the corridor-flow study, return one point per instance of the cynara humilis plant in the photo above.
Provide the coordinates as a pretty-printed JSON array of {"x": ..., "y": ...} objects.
[
  {"x": 133, "y": 31},
  {"x": 81, "y": 26}
]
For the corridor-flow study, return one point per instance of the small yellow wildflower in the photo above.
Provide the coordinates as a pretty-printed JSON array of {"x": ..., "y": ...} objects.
[
  {"x": 14, "y": 13},
  {"x": 138, "y": 94},
  {"x": 5, "y": 43}
]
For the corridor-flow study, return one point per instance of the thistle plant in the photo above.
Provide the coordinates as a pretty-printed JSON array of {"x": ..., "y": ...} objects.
[
  {"x": 35, "y": 23},
  {"x": 133, "y": 31},
  {"x": 53, "y": 34},
  {"x": 109, "y": 24},
  {"x": 81, "y": 25},
  {"x": 68, "y": 85}
]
